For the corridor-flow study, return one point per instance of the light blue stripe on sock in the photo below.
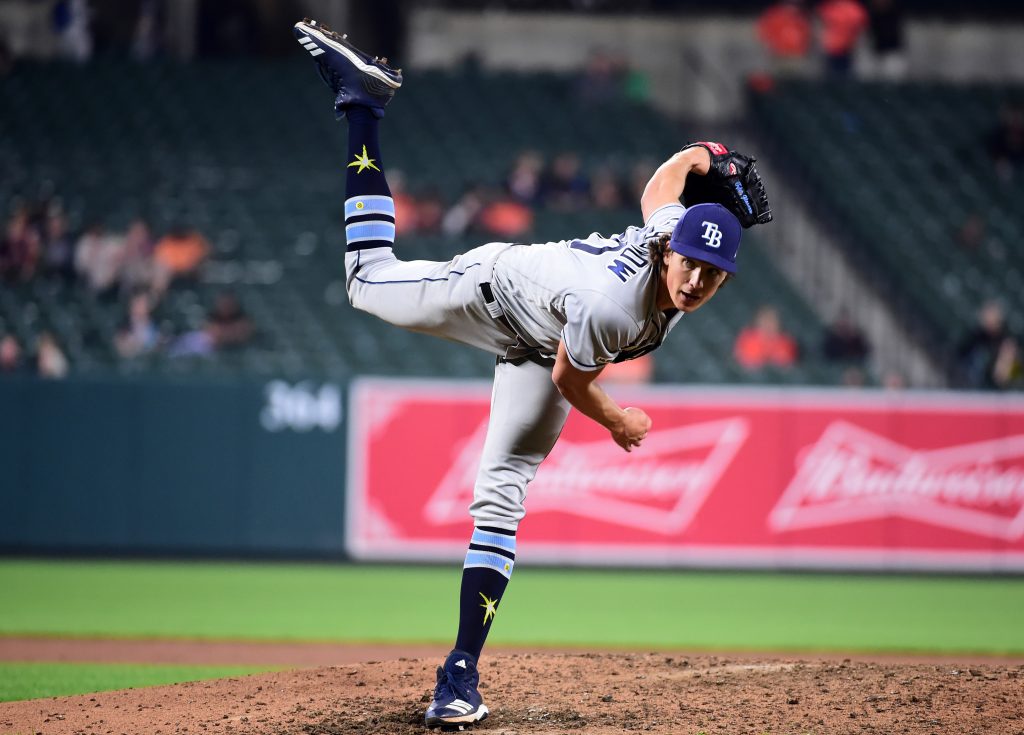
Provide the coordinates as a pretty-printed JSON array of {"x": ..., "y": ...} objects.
[
  {"x": 496, "y": 562},
  {"x": 372, "y": 230},
  {"x": 508, "y": 543},
  {"x": 374, "y": 204}
]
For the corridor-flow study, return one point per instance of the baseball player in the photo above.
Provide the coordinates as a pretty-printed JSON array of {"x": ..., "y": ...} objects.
[{"x": 553, "y": 313}]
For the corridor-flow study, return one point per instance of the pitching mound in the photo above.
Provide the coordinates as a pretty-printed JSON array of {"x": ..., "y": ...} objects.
[{"x": 531, "y": 694}]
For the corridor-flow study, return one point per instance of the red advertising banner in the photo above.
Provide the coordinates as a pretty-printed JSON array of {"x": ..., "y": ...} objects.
[{"x": 727, "y": 477}]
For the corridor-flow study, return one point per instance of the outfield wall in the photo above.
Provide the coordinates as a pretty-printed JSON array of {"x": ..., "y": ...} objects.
[
  {"x": 127, "y": 467},
  {"x": 728, "y": 477}
]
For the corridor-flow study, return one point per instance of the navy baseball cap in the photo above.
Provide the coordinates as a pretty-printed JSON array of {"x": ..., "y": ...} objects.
[{"x": 708, "y": 232}]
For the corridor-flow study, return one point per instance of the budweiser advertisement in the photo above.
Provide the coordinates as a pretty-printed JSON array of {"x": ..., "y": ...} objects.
[{"x": 727, "y": 477}]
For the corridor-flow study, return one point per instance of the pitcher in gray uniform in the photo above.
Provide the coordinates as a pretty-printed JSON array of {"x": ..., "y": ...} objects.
[{"x": 554, "y": 315}]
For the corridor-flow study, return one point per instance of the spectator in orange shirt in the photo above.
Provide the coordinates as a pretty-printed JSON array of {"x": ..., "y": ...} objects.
[
  {"x": 181, "y": 251},
  {"x": 785, "y": 30},
  {"x": 639, "y": 370},
  {"x": 764, "y": 343},
  {"x": 842, "y": 23},
  {"x": 506, "y": 218},
  {"x": 406, "y": 216}
]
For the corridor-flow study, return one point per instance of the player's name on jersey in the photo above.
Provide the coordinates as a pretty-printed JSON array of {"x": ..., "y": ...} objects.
[{"x": 623, "y": 265}]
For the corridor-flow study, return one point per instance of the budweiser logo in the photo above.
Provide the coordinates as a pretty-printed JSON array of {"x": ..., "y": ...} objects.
[
  {"x": 658, "y": 488},
  {"x": 851, "y": 474}
]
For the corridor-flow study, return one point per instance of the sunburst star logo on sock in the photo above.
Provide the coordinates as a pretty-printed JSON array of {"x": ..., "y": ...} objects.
[
  {"x": 363, "y": 162},
  {"x": 490, "y": 607}
]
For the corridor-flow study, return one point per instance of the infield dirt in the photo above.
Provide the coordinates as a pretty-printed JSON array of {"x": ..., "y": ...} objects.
[{"x": 554, "y": 693}]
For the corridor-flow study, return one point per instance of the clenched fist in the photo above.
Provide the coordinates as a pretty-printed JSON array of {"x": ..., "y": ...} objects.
[{"x": 632, "y": 430}]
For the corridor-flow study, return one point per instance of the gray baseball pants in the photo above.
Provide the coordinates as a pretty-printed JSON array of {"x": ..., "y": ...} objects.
[{"x": 444, "y": 299}]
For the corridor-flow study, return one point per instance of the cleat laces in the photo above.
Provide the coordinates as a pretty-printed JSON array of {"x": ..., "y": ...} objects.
[{"x": 453, "y": 686}]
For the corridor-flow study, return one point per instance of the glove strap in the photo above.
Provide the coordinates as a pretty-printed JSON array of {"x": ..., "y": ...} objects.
[{"x": 715, "y": 149}]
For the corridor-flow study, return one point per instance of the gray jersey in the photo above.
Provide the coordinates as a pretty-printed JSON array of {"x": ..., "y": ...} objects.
[{"x": 597, "y": 295}]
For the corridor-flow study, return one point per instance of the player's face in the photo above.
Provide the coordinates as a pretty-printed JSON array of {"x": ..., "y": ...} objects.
[{"x": 688, "y": 283}]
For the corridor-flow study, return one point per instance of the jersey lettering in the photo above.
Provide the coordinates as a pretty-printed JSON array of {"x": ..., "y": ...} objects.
[
  {"x": 712, "y": 235},
  {"x": 623, "y": 265},
  {"x": 621, "y": 269}
]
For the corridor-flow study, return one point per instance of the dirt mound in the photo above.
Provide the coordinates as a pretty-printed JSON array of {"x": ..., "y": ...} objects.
[{"x": 534, "y": 694}]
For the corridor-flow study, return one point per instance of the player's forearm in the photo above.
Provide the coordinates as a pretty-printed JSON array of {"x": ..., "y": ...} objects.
[
  {"x": 578, "y": 387},
  {"x": 594, "y": 403}
]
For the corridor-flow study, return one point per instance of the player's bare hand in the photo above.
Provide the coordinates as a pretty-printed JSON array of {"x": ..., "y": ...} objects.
[{"x": 634, "y": 427}]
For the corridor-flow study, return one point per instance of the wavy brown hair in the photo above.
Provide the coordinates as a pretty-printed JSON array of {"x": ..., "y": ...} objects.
[{"x": 657, "y": 247}]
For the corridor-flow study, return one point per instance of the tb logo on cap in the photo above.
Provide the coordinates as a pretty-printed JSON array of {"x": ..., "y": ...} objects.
[{"x": 712, "y": 235}]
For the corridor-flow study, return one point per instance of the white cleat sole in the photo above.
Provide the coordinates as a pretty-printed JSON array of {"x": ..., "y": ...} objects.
[{"x": 460, "y": 722}]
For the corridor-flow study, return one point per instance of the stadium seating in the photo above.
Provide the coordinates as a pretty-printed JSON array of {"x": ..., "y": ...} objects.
[
  {"x": 900, "y": 204},
  {"x": 250, "y": 155}
]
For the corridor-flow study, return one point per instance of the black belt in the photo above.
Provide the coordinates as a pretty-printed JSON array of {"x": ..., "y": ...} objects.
[
  {"x": 498, "y": 314},
  {"x": 494, "y": 308}
]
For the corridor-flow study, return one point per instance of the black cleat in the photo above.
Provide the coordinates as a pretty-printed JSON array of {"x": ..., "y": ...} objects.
[{"x": 356, "y": 79}]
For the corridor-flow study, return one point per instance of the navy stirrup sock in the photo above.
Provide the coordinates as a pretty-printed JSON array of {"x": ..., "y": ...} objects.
[
  {"x": 369, "y": 208},
  {"x": 489, "y": 562}
]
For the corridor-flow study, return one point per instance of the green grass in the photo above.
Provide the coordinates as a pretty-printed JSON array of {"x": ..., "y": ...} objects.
[
  {"x": 640, "y": 609},
  {"x": 21, "y": 680}
]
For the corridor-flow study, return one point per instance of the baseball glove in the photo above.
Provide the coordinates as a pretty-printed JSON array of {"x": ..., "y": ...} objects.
[{"x": 733, "y": 182}]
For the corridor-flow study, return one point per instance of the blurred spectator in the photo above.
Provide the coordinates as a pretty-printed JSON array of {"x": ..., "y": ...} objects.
[
  {"x": 415, "y": 214},
  {"x": 71, "y": 25},
  {"x": 640, "y": 370},
  {"x": 785, "y": 31},
  {"x": 227, "y": 323},
  {"x": 1006, "y": 141},
  {"x": 505, "y": 218},
  {"x": 566, "y": 187},
  {"x": 98, "y": 258},
  {"x": 462, "y": 216},
  {"x": 10, "y": 356},
  {"x": 139, "y": 335},
  {"x": 58, "y": 258},
  {"x": 20, "y": 248},
  {"x": 602, "y": 78},
  {"x": 181, "y": 251},
  {"x": 605, "y": 191},
  {"x": 885, "y": 18},
  {"x": 227, "y": 326},
  {"x": 764, "y": 343},
  {"x": 139, "y": 268},
  {"x": 50, "y": 360},
  {"x": 640, "y": 173},
  {"x": 525, "y": 180},
  {"x": 1008, "y": 367},
  {"x": 146, "y": 36},
  {"x": 429, "y": 212},
  {"x": 842, "y": 23},
  {"x": 844, "y": 341},
  {"x": 978, "y": 351},
  {"x": 406, "y": 215}
]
